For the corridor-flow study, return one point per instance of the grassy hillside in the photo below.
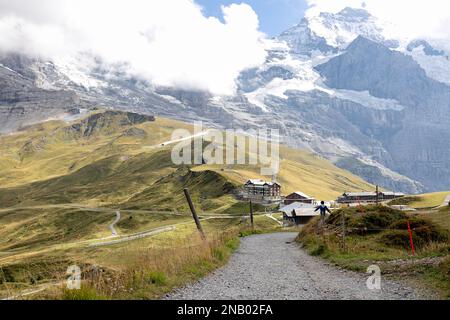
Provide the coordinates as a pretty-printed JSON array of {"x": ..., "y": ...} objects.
[
  {"x": 108, "y": 159},
  {"x": 209, "y": 190},
  {"x": 429, "y": 200},
  {"x": 300, "y": 171},
  {"x": 440, "y": 217},
  {"x": 55, "y": 148},
  {"x": 61, "y": 184}
]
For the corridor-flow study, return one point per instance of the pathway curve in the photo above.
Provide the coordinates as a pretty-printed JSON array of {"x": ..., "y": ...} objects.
[{"x": 112, "y": 225}]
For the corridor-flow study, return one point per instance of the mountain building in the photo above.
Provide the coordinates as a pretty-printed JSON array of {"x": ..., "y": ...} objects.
[
  {"x": 298, "y": 213},
  {"x": 298, "y": 197},
  {"x": 368, "y": 197},
  {"x": 262, "y": 191}
]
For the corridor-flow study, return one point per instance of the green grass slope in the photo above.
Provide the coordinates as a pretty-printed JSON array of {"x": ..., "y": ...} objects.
[
  {"x": 429, "y": 200},
  {"x": 300, "y": 171},
  {"x": 209, "y": 190},
  {"x": 115, "y": 158}
]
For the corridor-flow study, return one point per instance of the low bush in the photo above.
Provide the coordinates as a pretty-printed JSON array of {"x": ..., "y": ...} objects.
[
  {"x": 391, "y": 224},
  {"x": 155, "y": 277},
  {"x": 424, "y": 233},
  {"x": 363, "y": 220},
  {"x": 318, "y": 249},
  {"x": 396, "y": 238}
]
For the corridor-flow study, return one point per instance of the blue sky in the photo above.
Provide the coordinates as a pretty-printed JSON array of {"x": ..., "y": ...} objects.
[{"x": 275, "y": 16}]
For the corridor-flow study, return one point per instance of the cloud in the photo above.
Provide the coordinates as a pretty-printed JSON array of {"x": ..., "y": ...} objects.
[
  {"x": 169, "y": 42},
  {"x": 409, "y": 18}
]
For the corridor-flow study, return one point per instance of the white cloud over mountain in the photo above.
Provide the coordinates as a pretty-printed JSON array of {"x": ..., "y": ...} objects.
[
  {"x": 409, "y": 18},
  {"x": 169, "y": 42}
]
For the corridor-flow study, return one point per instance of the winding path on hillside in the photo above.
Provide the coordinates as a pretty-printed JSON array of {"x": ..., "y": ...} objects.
[
  {"x": 112, "y": 226},
  {"x": 273, "y": 266}
]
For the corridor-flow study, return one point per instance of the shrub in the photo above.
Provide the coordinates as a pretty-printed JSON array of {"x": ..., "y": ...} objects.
[
  {"x": 391, "y": 223},
  {"x": 314, "y": 245},
  {"x": 427, "y": 234},
  {"x": 396, "y": 238},
  {"x": 6, "y": 275},
  {"x": 424, "y": 230},
  {"x": 362, "y": 220},
  {"x": 318, "y": 249},
  {"x": 381, "y": 219},
  {"x": 414, "y": 222},
  {"x": 424, "y": 233},
  {"x": 156, "y": 277}
]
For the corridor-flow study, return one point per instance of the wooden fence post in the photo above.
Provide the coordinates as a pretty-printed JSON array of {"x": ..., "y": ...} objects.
[
  {"x": 378, "y": 200},
  {"x": 251, "y": 215},
  {"x": 194, "y": 214},
  {"x": 343, "y": 230}
]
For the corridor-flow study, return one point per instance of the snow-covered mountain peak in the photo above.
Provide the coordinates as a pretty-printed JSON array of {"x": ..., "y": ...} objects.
[
  {"x": 347, "y": 15},
  {"x": 354, "y": 14},
  {"x": 342, "y": 28},
  {"x": 333, "y": 32}
]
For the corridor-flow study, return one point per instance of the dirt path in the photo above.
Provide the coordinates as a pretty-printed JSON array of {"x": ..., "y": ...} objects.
[
  {"x": 112, "y": 226},
  {"x": 273, "y": 266},
  {"x": 137, "y": 236},
  {"x": 446, "y": 201}
]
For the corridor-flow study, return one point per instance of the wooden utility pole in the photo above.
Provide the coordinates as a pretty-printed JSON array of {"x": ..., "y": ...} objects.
[
  {"x": 194, "y": 214},
  {"x": 377, "y": 191},
  {"x": 251, "y": 215},
  {"x": 343, "y": 230}
]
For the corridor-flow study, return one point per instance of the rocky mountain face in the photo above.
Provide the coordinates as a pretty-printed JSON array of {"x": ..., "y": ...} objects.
[
  {"x": 22, "y": 102},
  {"x": 32, "y": 90},
  {"x": 370, "y": 66},
  {"x": 330, "y": 33},
  {"x": 420, "y": 144},
  {"x": 335, "y": 84}
]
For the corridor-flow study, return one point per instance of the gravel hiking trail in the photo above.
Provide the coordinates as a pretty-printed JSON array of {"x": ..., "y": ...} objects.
[
  {"x": 274, "y": 267},
  {"x": 112, "y": 226}
]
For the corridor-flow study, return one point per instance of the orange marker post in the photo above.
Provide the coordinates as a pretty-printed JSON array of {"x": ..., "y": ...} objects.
[{"x": 411, "y": 242}]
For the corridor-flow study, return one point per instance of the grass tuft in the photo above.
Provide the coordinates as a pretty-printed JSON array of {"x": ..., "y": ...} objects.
[
  {"x": 156, "y": 277},
  {"x": 85, "y": 293}
]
